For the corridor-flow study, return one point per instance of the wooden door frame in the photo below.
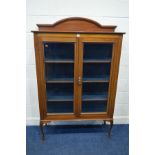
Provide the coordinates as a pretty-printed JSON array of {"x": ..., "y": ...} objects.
[
  {"x": 116, "y": 40},
  {"x": 39, "y": 38}
]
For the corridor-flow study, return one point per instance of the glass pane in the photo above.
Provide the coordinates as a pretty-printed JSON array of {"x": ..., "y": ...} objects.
[
  {"x": 59, "y": 91},
  {"x": 96, "y": 70},
  {"x": 97, "y": 51},
  {"x": 59, "y": 75},
  {"x": 95, "y": 91},
  {"x": 96, "y": 74},
  {"x": 94, "y": 98},
  {"x": 94, "y": 106},
  {"x": 60, "y": 107},
  {"x": 59, "y": 71},
  {"x": 60, "y": 51}
]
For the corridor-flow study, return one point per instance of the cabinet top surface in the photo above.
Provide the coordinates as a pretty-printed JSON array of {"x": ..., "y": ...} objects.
[{"x": 76, "y": 25}]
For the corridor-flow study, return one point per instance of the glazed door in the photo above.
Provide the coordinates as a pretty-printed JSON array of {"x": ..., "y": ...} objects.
[
  {"x": 59, "y": 73},
  {"x": 96, "y": 55},
  {"x": 77, "y": 75}
]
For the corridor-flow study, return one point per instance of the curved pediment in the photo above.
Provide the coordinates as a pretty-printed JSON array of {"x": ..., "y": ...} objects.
[{"x": 76, "y": 24}]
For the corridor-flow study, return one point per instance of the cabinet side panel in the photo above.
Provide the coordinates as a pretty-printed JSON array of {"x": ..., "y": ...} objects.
[
  {"x": 114, "y": 75},
  {"x": 39, "y": 79}
]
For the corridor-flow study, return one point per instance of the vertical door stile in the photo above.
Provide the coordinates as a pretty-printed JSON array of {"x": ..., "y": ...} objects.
[
  {"x": 80, "y": 76},
  {"x": 76, "y": 61}
]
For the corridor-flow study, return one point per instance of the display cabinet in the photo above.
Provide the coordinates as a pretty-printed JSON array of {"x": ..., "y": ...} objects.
[{"x": 77, "y": 64}]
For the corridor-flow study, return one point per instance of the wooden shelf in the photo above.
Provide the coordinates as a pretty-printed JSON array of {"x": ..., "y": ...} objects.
[
  {"x": 94, "y": 97},
  {"x": 72, "y": 61},
  {"x": 55, "y": 98},
  {"x": 97, "y": 61},
  {"x": 71, "y": 80},
  {"x": 59, "y": 61},
  {"x": 89, "y": 80},
  {"x": 60, "y": 80}
]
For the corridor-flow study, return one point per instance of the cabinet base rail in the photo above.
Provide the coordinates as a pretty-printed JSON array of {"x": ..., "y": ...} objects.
[{"x": 42, "y": 124}]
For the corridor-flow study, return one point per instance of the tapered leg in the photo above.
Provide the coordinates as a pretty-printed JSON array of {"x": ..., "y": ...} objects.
[
  {"x": 111, "y": 125},
  {"x": 42, "y": 131}
]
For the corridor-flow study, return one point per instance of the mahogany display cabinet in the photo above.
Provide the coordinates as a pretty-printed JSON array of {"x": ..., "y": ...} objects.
[{"x": 77, "y": 64}]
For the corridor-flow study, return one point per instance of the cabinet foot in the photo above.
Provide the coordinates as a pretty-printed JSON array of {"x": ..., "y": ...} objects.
[
  {"x": 104, "y": 122},
  {"x": 109, "y": 132},
  {"x": 42, "y": 131}
]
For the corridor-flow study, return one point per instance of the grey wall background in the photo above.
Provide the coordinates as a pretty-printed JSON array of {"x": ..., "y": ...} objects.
[{"x": 114, "y": 12}]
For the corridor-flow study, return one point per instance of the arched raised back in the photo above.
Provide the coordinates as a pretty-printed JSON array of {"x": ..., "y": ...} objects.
[{"x": 76, "y": 24}]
